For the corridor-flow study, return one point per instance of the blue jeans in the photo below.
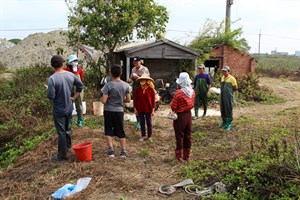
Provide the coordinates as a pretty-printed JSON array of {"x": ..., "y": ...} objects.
[{"x": 63, "y": 128}]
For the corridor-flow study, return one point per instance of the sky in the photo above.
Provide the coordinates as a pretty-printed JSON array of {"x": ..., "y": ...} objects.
[{"x": 276, "y": 21}]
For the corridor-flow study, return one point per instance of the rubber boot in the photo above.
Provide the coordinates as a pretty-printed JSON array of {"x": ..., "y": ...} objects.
[
  {"x": 186, "y": 154},
  {"x": 196, "y": 113},
  {"x": 138, "y": 123},
  {"x": 228, "y": 127},
  {"x": 224, "y": 123},
  {"x": 204, "y": 113},
  {"x": 178, "y": 155},
  {"x": 79, "y": 122}
]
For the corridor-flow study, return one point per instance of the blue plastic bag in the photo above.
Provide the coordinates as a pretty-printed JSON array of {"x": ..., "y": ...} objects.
[{"x": 70, "y": 189}]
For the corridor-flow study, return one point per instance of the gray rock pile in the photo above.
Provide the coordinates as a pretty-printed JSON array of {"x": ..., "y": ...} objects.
[
  {"x": 4, "y": 45},
  {"x": 37, "y": 48}
]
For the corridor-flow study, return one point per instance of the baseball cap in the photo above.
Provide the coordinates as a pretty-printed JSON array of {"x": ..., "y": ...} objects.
[
  {"x": 136, "y": 58},
  {"x": 57, "y": 61},
  {"x": 226, "y": 69},
  {"x": 202, "y": 66}
]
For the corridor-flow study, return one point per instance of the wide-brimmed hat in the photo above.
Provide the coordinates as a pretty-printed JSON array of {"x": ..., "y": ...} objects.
[{"x": 144, "y": 76}]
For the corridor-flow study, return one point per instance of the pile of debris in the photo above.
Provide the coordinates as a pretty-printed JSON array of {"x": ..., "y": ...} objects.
[
  {"x": 4, "y": 45},
  {"x": 35, "y": 49}
]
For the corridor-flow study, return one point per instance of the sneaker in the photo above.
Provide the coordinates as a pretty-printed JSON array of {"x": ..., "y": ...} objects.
[
  {"x": 150, "y": 140},
  {"x": 123, "y": 154},
  {"x": 196, "y": 117},
  {"x": 142, "y": 139},
  {"x": 110, "y": 153}
]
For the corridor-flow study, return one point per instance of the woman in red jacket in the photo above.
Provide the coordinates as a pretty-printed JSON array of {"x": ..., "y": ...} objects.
[
  {"x": 77, "y": 70},
  {"x": 144, "y": 104}
]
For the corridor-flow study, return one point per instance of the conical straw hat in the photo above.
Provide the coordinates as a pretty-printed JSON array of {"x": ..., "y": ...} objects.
[{"x": 145, "y": 76}]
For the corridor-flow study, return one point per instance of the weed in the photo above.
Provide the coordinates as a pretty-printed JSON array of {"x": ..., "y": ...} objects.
[
  {"x": 144, "y": 153},
  {"x": 94, "y": 122},
  {"x": 199, "y": 135}
]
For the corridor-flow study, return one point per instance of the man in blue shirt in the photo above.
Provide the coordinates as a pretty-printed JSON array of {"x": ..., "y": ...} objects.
[{"x": 202, "y": 84}]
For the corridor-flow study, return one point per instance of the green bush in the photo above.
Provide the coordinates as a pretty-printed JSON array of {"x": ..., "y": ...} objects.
[
  {"x": 251, "y": 90},
  {"x": 25, "y": 111},
  {"x": 270, "y": 171}
]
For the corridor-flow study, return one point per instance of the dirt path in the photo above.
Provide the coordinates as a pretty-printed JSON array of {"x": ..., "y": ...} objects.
[
  {"x": 289, "y": 90},
  {"x": 137, "y": 177}
]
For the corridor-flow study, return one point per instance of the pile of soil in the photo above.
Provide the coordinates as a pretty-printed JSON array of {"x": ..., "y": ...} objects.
[{"x": 35, "y": 49}]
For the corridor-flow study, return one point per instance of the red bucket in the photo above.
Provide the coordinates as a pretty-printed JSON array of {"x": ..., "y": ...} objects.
[{"x": 83, "y": 151}]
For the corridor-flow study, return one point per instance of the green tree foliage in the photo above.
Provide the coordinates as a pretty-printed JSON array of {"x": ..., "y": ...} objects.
[
  {"x": 214, "y": 34},
  {"x": 104, "y": 24},
  {"x": 15, "y": 40}
]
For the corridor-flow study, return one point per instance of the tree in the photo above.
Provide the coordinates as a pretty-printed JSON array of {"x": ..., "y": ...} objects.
[
  {"x": 15, "y": 40},
  {"x": 214, "y": 34},
  {"x": 105, "y": 24}
]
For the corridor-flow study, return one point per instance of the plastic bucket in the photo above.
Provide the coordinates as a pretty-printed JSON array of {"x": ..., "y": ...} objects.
[
  {"x": 83, "y": 151},
  {"x": 98, "y": 108}
]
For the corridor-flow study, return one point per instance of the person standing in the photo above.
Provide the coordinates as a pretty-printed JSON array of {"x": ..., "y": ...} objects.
[
  {"x": 60, "y": 86},
  {"x": 77, "y": 70},
  {"x": 137, "y": 72},
  {"x": 144, "y": 104},
  {"x": 202, "y": 84},
  {"x": 228, "y": 87},
  {"x": 115, "y": 94},
  {"x": 182, "y": 103}
]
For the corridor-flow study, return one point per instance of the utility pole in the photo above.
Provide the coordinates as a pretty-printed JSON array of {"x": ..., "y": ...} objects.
[
  {"x": 259, "y": 35},
  {"x": 228, "y": 13}
]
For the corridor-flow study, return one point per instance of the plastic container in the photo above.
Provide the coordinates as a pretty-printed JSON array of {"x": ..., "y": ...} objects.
[
  {"x": 98, "y": 108},
  {"x": 83, "y": 151}
]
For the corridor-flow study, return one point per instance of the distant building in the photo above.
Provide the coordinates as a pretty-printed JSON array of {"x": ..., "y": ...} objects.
[
  {"x": 297, "y": 53},
  {"x": 275, "y": 52}
]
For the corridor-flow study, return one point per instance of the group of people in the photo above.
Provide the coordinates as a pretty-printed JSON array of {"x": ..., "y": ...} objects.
[{"x": 65, "y": 87}]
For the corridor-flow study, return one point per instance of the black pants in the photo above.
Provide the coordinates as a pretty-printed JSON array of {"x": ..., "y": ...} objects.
[
  {"x": 63, "y": 128},
  {"x": 148, "y": 118}
]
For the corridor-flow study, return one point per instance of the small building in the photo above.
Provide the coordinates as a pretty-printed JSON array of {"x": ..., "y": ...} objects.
[
  {"x": 224, "y": 55},
  {"x": 163, "y": 58}
]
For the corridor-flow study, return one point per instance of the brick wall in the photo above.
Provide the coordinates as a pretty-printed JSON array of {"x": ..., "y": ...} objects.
[{"x": 238, "y": 62}]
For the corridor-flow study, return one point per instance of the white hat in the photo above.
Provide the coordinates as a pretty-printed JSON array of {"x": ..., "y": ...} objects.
[
  {"x": 202, "y": 66},
  {"x": 226, "y": 69},
  {"x": 72, "y": 58}
]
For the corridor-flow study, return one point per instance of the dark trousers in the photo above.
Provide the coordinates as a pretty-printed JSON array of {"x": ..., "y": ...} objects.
[
  {"x": 183, "y": 130},
  {"x": 148, "y": 118},
  {"x": 63, "y": 128}
]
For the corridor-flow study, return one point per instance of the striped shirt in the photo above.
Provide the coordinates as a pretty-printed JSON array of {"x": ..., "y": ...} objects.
[{"x": 181, "y": 102}]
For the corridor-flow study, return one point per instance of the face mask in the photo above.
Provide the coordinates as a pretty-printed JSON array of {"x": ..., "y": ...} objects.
[{"x": 75, "y": 63}]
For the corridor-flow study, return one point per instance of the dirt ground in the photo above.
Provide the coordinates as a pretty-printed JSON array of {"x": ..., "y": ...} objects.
[{"x": 148, "y": 165}]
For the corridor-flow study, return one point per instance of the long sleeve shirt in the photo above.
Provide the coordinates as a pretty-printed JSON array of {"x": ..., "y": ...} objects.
[
  {"x": 181, "y": 102},
  {"x": 144, "y": 101}
]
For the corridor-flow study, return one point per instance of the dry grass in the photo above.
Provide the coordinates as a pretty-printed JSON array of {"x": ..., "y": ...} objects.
[{"x": 35, "y": 176}]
